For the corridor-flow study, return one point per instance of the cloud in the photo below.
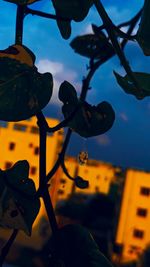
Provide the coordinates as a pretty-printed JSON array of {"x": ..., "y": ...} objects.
[
  {"x": 60, "y": 73},
  {"x": 103, "y": 140},
  {"x": 88, "y": 29},
  {"x": 123, "y": 116}
]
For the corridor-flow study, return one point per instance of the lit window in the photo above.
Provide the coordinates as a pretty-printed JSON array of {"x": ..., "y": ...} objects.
[
  {"x": 33, "y": 170},
  {"x": 20, "y": 127},
  {"x": 34, "y": 130},
  {"x": 138, "y": 233},
  {"x": 145, "y": 191},
  {"x": 141, "y": 212},
  {"x": 12, "y": 146},
  {"x": 8, "y": 164},
  {"x": 36, "y": 150}
]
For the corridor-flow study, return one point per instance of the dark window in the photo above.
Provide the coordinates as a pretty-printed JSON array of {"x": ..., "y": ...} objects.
[
  {"x": 138, "y": 233},
  {"x": 60, "y": 192},
  {"x": 33, "y": 170},
  {"x": 98, "y": 177},
  {"x": 20, "y": 127},
  {"x": 36, "y": 150},
  {"x": 34, "y": 130},
  {"x": 145, "y": 191},
  {"x": 62, "y": 181},
  {"x": 141, "y": 212},
  {"x": 8, "y": 164},
  {"x": 30, "y": 145},
  {"x": 3, "y": 124},
  {"x": 12, "y": 146},
  {"x": 96, "y": 189}
]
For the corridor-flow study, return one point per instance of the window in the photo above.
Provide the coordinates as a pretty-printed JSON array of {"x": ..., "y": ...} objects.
[
  {"x": 96, "y": 189},
  {"x": 98, "y": 177},
  {"x": 33, "y": 170},
  {"x": 20, "y": 127},
  {"x": 145, "y": 191},
  {"x": 34, "y": 130},
  {"x": 8, "y": 164},
  {"x": 36, "y": 150},
  {"x": 141, "y": 212},
  {"x": 60, "y": 192},
  {"x": 12, "y": 146},
  {"x": 62, "y": 181},
  {"x": 138, "y": 233},
  {"x": 3, "y": 124}
]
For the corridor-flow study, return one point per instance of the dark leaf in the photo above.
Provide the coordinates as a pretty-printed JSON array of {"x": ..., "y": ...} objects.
[
  {"x": 19, "y": 52},
  {"x": 67, "y": 93},
  {"x": 92, "y": 46},
  {"x": 70, "y": 9},
  {"x": 90, "y": 120},
  {"x": 143, "y": 80},
  {"x": 22, "y": 2},
  {"x": 143, "y": 34},
  {"x": 18, "y": 209},
  {"x": 81, "y": 183},
  {"x": 66, "y": 246},
  {"x": 23, "y": 91}
]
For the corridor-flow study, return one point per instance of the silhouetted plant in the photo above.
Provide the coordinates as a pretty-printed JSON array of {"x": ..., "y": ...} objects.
[{"x": 24, "y": 92}]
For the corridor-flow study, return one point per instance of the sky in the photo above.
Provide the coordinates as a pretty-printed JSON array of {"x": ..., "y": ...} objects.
[{"x": 127, "y": 144}]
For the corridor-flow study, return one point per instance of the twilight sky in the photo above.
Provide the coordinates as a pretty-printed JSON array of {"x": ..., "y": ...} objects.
[{"x": 128, "y": 143}]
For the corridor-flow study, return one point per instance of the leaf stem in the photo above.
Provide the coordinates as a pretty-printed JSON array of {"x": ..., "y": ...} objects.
[
  {"x": 19, "y": 25},
  {"x": 42, "y": 174},
  {"x": 44, "y": 15},
  {"x": 111, "y": 33},
  {"x": 7, "y": 246}
]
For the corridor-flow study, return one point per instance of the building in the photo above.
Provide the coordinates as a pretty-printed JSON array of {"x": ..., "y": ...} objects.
[
  {"x": 20, "y": 141},
  {"x": 99, "y": 174},
  {"x": 133, "y": 231}
]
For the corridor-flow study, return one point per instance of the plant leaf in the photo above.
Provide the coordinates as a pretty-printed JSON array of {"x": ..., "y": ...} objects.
[
  {"x": 143, "y": 34},
  {"x": 72, "y": 253},
  {"x": 81, "y": 183},
  {"x": 23, "y": 91},
  {"x": 143, "y": 80},
  {"x": 19, "y": 52},
  {"x": 72, "y": 10},
  {"x": 67, "y": 93},
  {"x": 92, "y": 46},
  {"x": 22, "y": 2},
  {"x": 90, "y": 120},
  {"x": 18, "y": 211}
]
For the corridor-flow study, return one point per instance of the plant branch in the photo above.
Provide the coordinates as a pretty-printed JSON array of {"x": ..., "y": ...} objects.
[
  {"x": 61, "y": 155},
  {"x": 42, "y": 174},
  {"x": 62, "y": 124},
  {"x": 7, "y": 246},
  {"x": 19, "y": 25},
  {"x": 44, "y": 15},
  {"x": 111, "y": 33}
]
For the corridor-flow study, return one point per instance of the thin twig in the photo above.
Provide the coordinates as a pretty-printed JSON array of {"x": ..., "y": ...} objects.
[
  {"x": 44, "y": 15},
  {"x": 111, "y": 33},
  {"x": 7, "y": 246}
]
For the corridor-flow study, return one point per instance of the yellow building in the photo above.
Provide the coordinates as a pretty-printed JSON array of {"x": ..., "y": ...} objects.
[
  {"x": 133, "y": 231},
  {"x": 99, "y": 174},
  {"x": 20, "y": 141}
]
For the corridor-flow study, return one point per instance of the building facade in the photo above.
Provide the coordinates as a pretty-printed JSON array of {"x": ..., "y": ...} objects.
[
  {"x": 20, "y": 141},
  {"x": 133, "y": 231}
]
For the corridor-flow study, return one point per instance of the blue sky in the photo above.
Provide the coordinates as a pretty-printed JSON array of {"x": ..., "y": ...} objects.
[{"x": 127, "y": 143}]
